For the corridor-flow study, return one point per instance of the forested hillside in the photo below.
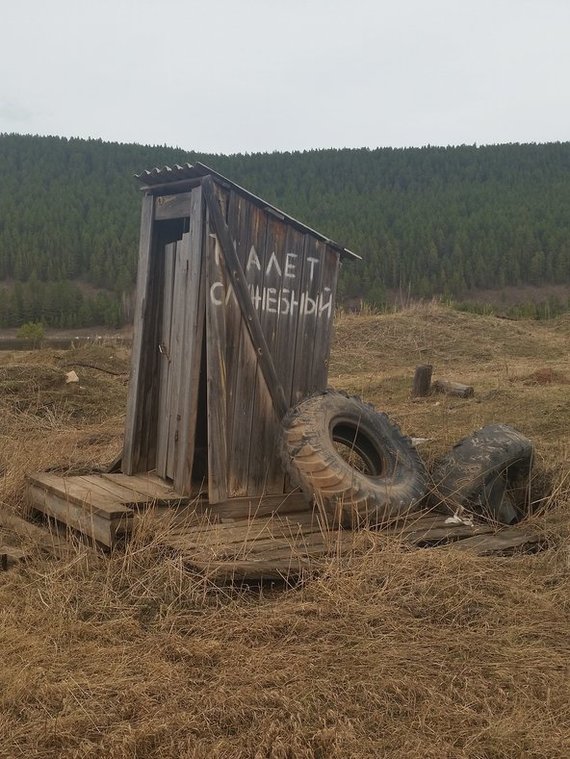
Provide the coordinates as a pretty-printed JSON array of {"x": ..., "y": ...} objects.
[{"x": 425, "y": 220}]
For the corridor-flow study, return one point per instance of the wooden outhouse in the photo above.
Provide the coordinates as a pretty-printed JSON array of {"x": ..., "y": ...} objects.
[{"x": 233, "y": 322}]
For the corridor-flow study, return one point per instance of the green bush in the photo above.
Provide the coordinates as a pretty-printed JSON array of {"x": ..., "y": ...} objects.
[{"x": 32, "y": 331}]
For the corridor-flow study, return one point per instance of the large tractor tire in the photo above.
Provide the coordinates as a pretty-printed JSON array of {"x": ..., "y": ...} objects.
[
  {"x": 352, "y": 460},
  {"x": 487, "y": 472}
]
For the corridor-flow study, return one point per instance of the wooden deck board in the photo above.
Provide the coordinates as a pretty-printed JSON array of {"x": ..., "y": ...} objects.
[
  {"x": 418, "y": 521},
  {"x": 435, "y": 530},
  {"x": 74, "y": 490},
  {"x": 233, "y": 531},
  {"x": 255, "y": 542},
  {"x": 272, "y": 560},
  {"x": 274, "y": 548},
  {"x": 113, "y": 491},
  {"x": 146, "y": 489},
  {"x": 313, "y": 544},
  {"x": 504, "y": 541}
]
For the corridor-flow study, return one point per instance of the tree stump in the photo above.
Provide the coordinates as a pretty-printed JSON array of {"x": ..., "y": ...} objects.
[{"x": 422, "y": 381}]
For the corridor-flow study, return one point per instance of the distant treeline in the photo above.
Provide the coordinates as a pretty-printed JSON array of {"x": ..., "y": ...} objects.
[{"x": 428, "y": 221}]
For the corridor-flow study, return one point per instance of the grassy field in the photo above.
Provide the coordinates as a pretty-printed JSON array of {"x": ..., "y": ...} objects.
[{"x": 398, "y": 653}]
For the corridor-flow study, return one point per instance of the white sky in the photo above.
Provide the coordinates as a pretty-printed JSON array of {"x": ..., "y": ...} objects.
[{"x": 259, "y": 75}]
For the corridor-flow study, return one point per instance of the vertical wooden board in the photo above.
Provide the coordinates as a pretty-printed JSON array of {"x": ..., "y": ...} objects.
[
  {"x": 273, "y": 264},
  {"x": 165, "y": 359},
  {"x": 216, "y": 287},
  {"x": 224, "y": 198},
  {"x": 193, "y": 332},
  {"x": 309, "y": 304},
  {"x": 131, "y": 446},
  {"x": 262, "y": 479},
  {"x": 284, "y": 340},
  {"x": 249, "y": 229},
  {"x": 325, "y": 321},
  {"x": 149, "y": 416},
  {"x": 177, "y": 355},
  {"x": 289, "y": 301},
  {"x": 266, "y": 471},
  {"x": 234, "y": 328},
  {"x": 260, "y": 275}
]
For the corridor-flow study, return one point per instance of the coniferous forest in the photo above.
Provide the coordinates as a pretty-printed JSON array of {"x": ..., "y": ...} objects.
[{"x": 426, "y": 221}]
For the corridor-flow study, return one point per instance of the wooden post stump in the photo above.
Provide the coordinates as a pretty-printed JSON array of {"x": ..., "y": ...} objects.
[{"x": 422, "y": 381}]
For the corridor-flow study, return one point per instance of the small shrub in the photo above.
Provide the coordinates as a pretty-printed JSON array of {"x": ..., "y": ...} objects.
[{"x": 33, "y": 332}]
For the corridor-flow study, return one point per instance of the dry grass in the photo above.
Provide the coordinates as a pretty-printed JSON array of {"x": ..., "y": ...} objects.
[
  {"x": 394, "y": 653},
  {"x": 45, "y": 422}
]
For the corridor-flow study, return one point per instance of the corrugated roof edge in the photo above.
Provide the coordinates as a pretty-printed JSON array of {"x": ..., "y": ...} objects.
[{"x": 177, "y": 173}]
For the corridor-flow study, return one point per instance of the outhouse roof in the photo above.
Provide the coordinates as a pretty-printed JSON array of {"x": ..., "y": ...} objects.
[{"x": 188, "y": 171}]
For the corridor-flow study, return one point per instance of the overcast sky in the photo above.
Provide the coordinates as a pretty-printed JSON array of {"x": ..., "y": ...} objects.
[{"x": 260, "y": 75}]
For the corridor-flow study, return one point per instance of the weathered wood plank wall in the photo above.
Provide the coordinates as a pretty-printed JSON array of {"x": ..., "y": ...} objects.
[
  {"x": 185, "y": 291},
  {"x": 291, "y": 278}
]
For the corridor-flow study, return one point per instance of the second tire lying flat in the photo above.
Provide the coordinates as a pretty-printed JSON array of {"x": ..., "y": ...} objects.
[{"x": 487, "y": 472}]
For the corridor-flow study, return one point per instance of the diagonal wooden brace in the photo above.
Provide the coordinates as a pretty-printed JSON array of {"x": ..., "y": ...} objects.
[{"x": 239, "y": 283}]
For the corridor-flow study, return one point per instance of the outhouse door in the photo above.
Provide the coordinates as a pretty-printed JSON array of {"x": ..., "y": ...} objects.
[{"x": 181, "y": 315}]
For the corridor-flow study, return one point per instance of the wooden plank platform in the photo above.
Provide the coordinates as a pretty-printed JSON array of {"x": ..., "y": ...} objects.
[
  {"x": 269, "y": 538},
  {"x": 104, "y": 507},
  {"x": 83, "y": 504},
  {"x": 101, "y": 507}
]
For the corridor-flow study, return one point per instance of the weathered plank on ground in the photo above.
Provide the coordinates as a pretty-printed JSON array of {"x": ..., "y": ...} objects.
[
  {"x": 434, "y": 528},
  {"x": 45, "y": 539},
  {"x": 288, "y": 545},
  {"x": 453, "y": 388},
  {"x": 246, "y": 507},
  {"x": 505, "y": 540}
]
